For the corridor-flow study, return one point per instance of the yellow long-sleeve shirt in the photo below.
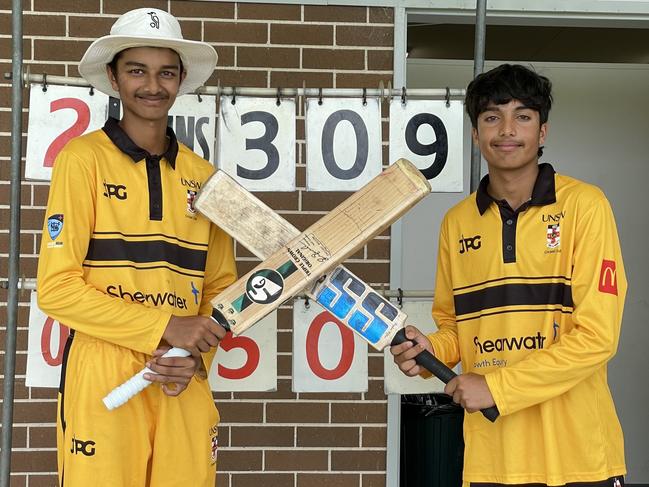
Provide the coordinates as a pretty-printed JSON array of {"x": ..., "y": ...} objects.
[
  {"x": 123, "y": 248},
  {"x": 533, "y": 300}
]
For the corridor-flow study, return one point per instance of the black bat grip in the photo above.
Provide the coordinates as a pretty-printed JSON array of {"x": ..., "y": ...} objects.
[
  {"x": 433, "y": 365},
  {"x": 220, "y": 319}
]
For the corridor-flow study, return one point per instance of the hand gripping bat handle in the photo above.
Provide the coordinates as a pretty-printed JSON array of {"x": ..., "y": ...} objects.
[
  {"x": 439, "y": 370},
  {"x": 135, "y": 384}
]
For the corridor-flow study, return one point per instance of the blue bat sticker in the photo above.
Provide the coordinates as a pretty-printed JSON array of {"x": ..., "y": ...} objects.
[{"x": 351, "y": 300}]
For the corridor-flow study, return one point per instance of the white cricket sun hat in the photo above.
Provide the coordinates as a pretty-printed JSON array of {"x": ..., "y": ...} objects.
[{"x": 147, "y": 27}]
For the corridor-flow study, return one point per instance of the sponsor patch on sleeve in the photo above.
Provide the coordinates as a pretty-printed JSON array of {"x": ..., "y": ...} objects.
[
  {"x": 55, "y": 225},
  {"x": 54, "y": 228},
  {"x": 608, "y": 277}
]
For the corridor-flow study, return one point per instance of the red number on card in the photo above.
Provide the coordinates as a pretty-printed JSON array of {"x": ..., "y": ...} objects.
[
  {"x": 78, "y": 128},
  {"x": 46, "y": 342},
  {"x": 313, "y": 355},
  {"x": 252, "y": 362}
]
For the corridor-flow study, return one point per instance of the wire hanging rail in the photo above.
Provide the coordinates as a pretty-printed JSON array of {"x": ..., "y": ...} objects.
[{"x": 383, "y": 92}]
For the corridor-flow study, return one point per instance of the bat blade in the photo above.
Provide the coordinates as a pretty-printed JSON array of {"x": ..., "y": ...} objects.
[{"x": 301, "y": 261}]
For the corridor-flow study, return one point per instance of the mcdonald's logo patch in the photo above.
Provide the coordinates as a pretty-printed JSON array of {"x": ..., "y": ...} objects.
[{"x": 608, "y": 277}]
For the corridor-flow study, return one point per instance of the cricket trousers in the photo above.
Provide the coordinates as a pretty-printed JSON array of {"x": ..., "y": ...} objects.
[{"x": 153, "y": 440}]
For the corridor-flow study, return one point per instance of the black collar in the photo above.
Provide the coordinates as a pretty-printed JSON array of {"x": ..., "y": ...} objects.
[
  {"x": 124, "y": 143},
  {"x": 543, "y": 193}
]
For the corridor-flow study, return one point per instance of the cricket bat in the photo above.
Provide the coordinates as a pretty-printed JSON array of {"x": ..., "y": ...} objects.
[
  {"x": 299, "y": 262},
  {"x": 301, "y": 258},
  {"x": 342, "y": 293}
]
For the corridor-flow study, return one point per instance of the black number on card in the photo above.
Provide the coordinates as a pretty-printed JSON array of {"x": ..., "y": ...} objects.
[
  {"x": 439, "y": 147},
  {"x": 362, "y": 144},
  {"x": 263, "y": 143}
]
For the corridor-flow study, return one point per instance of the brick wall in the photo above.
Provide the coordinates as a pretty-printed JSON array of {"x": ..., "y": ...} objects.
[{"x": 270, "y": 439}]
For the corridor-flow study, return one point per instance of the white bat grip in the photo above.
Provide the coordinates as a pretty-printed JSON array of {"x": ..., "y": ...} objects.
[{"x": 135, "y": 384}]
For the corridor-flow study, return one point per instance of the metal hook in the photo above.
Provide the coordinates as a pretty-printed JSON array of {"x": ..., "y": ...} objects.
[
  {"x": 234, "y": 95},
  {"x": 302, "y": 101},
  {"x": 92, "y": 90},
  {"x": 279, "y": 96},
  {"x": 448, "y": 97},
  {"x": 198, "y": 95},
  {"x": 400, "y": 297},
  {"x": 381, "y": 91},
  {"x": 26, "y": 74},
  {"x": 403, "y": 95},
  {"x": 319, "y": 96},
  {"x": 364, "y": 96},
  {"x": 22, "y": 286},
  {"x": 307, "y": 304},
  {"x": 44, "y": 82}
]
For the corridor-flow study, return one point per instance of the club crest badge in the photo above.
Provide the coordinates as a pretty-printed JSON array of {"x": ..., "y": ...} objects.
[
  {"x": 55, "y": 225},
  {"x": 191, "y": 196},
  {"x": 553, "y": 236},
  {"x": 215, "y": 445}
]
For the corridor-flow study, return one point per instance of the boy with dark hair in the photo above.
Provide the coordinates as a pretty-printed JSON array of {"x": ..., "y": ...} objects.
[
  {"x": 130, "y": 266},
  {"x": 529, "y": 296}
]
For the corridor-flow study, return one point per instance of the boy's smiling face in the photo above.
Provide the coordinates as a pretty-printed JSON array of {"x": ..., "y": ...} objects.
[
  {"x": 509, "y": 135},
  {"x": 147, "y": 79}
]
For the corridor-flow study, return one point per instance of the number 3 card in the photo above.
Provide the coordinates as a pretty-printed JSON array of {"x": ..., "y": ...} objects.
[{"x": 257, "y": 142}]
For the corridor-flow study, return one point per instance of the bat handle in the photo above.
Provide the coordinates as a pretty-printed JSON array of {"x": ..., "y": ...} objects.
[
  {"x": 439, "y": 370},
  {"x": 121, "y": 394},
  {"x": 220, "y": 319}
]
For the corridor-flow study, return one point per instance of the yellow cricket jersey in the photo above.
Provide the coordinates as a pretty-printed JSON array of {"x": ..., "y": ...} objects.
[
  {"x": 533, "y": 300},
  {"x": 123, "y": 247}
]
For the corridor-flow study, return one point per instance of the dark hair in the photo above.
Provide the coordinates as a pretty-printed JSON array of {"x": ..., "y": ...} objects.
[
  {"x": 113, "y": 64},
  {"x": 505, "y": 83}
]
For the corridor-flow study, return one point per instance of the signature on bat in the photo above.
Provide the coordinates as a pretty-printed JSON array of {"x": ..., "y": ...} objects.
[{"x": 312, "y": 246}]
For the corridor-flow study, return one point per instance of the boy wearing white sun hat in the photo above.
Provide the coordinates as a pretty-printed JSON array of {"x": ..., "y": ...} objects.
[{"x": 130, "y": 267}]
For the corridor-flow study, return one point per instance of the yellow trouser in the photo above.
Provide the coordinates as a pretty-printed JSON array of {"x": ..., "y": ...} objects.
[{"x": 153, "y": 440}]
